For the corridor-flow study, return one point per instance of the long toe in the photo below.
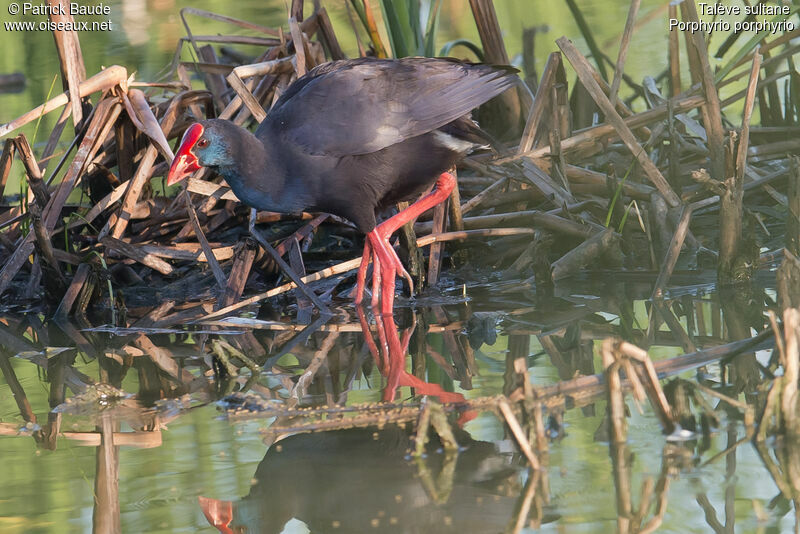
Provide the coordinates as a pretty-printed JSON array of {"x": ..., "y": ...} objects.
[
  {"x": 398, "y": 265},
  {"x": 361, "y": 278},
  {"x": 377, "y": 269},
  {"x": 388, "y": 277},
  {"x": 408, "y": 279}
]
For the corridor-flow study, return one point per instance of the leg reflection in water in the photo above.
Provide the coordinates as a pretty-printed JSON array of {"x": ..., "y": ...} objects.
[{"x": 390, "y": 357}]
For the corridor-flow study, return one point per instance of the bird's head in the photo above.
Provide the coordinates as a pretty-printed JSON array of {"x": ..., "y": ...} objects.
[{"x": 203, "y": 145}]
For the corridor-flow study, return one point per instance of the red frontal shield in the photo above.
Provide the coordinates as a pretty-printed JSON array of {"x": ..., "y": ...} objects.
[{"x": 185, "y": 162}]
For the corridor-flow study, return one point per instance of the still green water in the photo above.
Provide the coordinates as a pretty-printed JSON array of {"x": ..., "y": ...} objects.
[{"x": 327, "y": 479}]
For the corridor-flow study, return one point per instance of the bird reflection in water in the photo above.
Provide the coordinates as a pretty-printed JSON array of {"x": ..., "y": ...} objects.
[{"x": 363, "y": 480}]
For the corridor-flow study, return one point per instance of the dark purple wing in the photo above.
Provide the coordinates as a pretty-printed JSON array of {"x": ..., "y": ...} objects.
[{"x": 360, "y": 106}]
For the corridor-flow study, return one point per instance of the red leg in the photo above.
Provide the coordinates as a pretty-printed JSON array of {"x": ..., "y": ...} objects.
[
  {"x": 377, "y": 275},
  {"x": 397, "y": 376},
  {"x": 390, "y": 354},
  {"x": 444, "y": 185},
  {"x": 362, "y": 272},
  {"x": 386, "y": 264},
  {"x": 383, "y": 273},
  {"x": 380, "y": 361},
  {"x": 391, "y": 358},
  {"x": 397, "y": 357},
  {"x": 373, "y": 251},
  {"x": 407, "y": 333}
]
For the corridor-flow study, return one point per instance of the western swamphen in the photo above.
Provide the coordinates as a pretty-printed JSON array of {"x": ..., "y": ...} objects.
[{"x": 349, "y": 138}]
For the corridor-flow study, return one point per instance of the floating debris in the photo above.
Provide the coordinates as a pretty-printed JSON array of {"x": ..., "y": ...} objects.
[{"x": 93, "y": 400}]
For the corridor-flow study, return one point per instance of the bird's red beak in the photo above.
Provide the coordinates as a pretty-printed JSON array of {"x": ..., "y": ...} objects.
[{"x": 185, "y": 162}]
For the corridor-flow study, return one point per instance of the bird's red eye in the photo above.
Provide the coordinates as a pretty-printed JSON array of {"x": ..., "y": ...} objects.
[{"x": 203, "y": 142}]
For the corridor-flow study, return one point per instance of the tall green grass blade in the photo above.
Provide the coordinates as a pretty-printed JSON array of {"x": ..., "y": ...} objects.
[
  {"x": 410, "y": 9},
  {"x": 39, "y": 120},
  {"x": 432, "y": 28},
  {"x": 625, "y": 217},
  {"x": 617, "y": 193},
  {"x": 748, "y": 47},
  {"x": 23, "y": 182},
  {"x": 359, "y": 9},
  {"x": 397, "y": 26},
  {"x": 450, "y": 45},
  {"x": 412, "y": 26},
  {"x": 368, "y": 21}
]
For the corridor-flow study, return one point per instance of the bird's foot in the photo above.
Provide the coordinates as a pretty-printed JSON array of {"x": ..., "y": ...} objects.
[
  {"x": 386, "y": 265},
  {"x": 385, "y": 232}
]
